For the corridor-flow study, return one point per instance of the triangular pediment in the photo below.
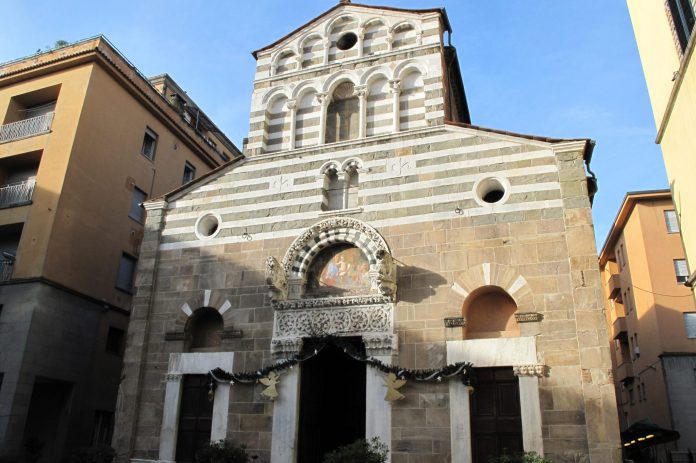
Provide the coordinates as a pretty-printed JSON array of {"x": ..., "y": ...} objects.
[{"x": 362, "y": 14}]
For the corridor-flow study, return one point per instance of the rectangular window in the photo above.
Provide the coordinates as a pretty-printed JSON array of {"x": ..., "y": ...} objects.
[
  {"x": 690, "y": 323},
  {"x": 149, "y": 144},
  {"x": 682, "y": 16},
  {"x": 631, "y": 399},
  {"x": 645, "y": 394},
  {"x": 628, "y": 302},
  {"x": 189, "y": 173},
  {"x": 137, "y": 212},
  {"x": 115, "y": 341},
  {"x": 671, "y": 221},
  {"x": 103, "y": 427},
  {"x": 126, "y": 273},
  {"x": 681, "y": 270}
]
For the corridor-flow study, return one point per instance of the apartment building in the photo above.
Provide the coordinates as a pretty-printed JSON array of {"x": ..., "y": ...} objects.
[
  {"x": 652, "y": 325},
  {"x": 664, "y": 34},
  {"x": 85, "y": 139}
]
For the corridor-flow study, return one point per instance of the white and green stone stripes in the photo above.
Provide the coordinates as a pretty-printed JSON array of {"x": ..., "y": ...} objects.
[{"x": 409, "y": 179}]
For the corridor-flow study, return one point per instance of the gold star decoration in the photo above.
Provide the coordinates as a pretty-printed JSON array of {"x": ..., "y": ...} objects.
[
  {"x": 270, "y": 381},
  {"x": 392, "y": 384}
]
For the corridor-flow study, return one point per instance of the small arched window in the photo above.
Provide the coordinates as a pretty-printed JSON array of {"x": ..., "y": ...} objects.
[
  {"x": 204, "y": 330},
  {"x": 342, "y": 114},
  {"x": 352, "y": 188},
  {"x": 333, "y": 191}
]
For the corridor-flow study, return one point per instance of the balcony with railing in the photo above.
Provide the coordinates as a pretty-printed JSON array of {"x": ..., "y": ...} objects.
[
  {"x": 6, "y": 266},
  {"x": 26, "y": 127},
  {"x": 17, "y": 194}
]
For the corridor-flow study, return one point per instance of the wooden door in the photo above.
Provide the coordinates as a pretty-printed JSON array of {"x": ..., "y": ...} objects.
[
  {"x": 496, "y": 423},
  {"x": 332, "y": 403},
  {"x": 195, "y": 417}
]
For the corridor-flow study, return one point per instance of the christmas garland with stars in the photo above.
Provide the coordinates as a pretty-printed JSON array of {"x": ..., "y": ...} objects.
[{"x": 459, "y": 369}]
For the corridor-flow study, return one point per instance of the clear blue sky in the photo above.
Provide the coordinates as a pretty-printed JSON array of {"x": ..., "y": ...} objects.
[{"x": 546, "y": 67}]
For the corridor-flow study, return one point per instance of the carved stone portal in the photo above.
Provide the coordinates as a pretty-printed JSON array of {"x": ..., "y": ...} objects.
[{"x": 299, "y": 287}]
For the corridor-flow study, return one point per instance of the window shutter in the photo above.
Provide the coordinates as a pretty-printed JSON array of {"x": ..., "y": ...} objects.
[{"x": 690, "y": 323}]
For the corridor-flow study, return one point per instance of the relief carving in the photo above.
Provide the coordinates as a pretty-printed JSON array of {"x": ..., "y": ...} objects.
[
  {"x": 385, "y": 274},
  {"x": 275, "y": 279},
  {"x": 530, "y": 370}
]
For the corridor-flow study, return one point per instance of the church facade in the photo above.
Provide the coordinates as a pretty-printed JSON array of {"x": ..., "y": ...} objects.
[{"x": 376, "y": 266}]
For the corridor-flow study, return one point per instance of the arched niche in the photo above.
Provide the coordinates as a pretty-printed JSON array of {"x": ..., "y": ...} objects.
[
  {"x": 286, "y": 62},
  {"x": 204, "y": 330},
  {"x": 380, "y": 114},
  {"x": 339, "y": 28},
  {"x": 490, "y": 313},
  {"x": 277, "y": 124},
  {"x": 312, "y": 50},
  {"x": 404, "y": 35},
  {"x": 411, "y": 100},
  {"x": 375, "y": 39},
  {"x": 307, "y": 119}
]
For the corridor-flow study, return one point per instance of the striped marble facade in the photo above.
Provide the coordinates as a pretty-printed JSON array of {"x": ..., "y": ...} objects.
[
  {"x": 420, "y": 175},
  {"x": 295, "y": 80}
]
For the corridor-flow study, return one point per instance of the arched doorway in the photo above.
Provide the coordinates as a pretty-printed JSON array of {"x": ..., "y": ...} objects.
[
  {"x": 332, "y": 401},
  {"x": 496, "y": 418}
]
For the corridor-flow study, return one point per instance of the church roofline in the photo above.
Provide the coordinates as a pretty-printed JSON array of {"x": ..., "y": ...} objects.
[
  {"x": 195, "y": 183},
  {"x": 589, "y": 143},
  {"x": 441, "y": 11}
]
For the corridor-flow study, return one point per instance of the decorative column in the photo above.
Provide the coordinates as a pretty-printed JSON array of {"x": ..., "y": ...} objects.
[
  {"x": 378, "y": 412},
  {"x": 361, "y": 41},
  {"x": 327, "y": 47},
  {"x": 361, "y": 92},
  {"x": 286, "y": 408},
  {"x": 170, "y": 417},
  {"x": 395, "y": 86},
  {"x": 460, "y": 421},
  {"x": 324, "y": 100},
  {"x": 530, "y": 406},
  {"x": 221, "y": 406},
  {"x": 292, "y": 107},
  {"x": 390, "y": 41}
]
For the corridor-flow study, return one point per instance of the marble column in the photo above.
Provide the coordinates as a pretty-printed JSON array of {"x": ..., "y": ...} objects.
[
  {"x": 530, "y": 406},
  {"x": 395, "y": 86},
  {"x": 460, "y": 421},
  {"x": 170, "y": 417}
]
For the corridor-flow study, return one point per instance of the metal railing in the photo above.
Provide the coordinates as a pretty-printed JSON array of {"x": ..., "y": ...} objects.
[
  {"x": 26, "y": 128},
  {"x": 15, "y": 194},
  {"x": 6, "y": 266}
]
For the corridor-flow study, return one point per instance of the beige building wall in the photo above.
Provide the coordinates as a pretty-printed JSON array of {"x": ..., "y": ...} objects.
[
  {"x": 646, "y": 311},
  {"x": 105, "y": 165},
  {"x": 61, "y": 310},
  {"x": 671, "y": 81}
]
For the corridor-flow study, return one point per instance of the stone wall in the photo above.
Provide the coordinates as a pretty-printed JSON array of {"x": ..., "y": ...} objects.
[{"x": 418, "y": 194}]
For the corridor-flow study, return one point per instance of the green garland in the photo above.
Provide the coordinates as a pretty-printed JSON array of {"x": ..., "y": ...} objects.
[{"x": 459, "y": 369}]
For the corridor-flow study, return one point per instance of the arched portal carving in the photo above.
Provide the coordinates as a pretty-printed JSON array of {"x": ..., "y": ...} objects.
[
  {"x": 366, "y": 311},
  {"x": 340, "y": 230}
]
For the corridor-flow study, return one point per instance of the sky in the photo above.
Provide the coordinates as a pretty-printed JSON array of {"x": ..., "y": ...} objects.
[{"x": 557, "y": 68}]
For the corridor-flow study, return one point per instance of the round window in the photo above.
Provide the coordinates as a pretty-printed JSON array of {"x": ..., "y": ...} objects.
[
  {"x": 207, "y": 226},
  {"x": 347, "y": 41},
  {"x": 492, "y": 190}
]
